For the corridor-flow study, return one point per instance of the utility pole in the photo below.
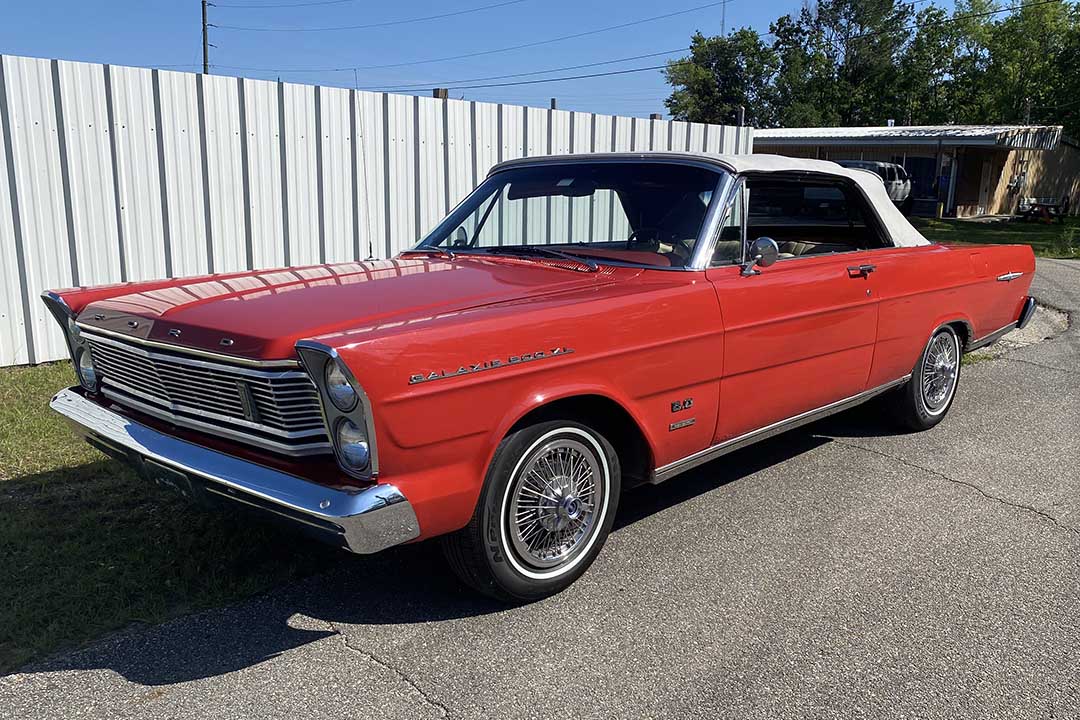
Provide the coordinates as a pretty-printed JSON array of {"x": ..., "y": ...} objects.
[{"x": 205, "y": 43}]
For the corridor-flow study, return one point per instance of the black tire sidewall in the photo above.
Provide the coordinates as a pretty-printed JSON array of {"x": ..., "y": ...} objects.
[
  {"x": 923, "y": 417},
  {"x": 498, "y": 554}
]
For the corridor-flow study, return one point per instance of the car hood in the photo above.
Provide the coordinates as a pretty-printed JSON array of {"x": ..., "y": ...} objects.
[{"x": 261, "y": 315}]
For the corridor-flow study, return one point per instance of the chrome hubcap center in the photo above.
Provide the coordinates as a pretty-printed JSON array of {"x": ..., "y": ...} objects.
[
  {"x": 939, "y": 373},
  {"x": 554, "y": 501}
]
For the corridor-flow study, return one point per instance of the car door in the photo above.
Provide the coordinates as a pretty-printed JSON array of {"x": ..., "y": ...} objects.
[{"x": 800, "y": 334}]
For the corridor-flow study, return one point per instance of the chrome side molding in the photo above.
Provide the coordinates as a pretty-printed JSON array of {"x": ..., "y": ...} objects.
[{"x": 666, "y": 472}]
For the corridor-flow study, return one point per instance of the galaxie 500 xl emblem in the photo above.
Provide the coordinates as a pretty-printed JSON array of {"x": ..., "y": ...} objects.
[{"x": 488, "y": 365}]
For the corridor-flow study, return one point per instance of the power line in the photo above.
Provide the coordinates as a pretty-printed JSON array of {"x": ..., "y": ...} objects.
[
  {"x": 616, "y": 72},
  {"x": 659, "y": 67},
  {"x": 522, "y": 46},
  {"x": 454, "y": 83},
  {"x": 387, "y": 23},
  {"x": 233, "y": 6},
  {"x": 560, "y": 79}
]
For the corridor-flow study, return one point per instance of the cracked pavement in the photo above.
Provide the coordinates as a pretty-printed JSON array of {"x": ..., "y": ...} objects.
[{"x": 839, "y": 570}]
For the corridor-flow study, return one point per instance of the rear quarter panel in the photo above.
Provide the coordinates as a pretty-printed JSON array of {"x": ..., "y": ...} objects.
[{"x": 921, "y": 288}]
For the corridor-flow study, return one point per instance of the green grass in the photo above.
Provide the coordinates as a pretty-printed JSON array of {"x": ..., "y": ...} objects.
[
  {"x": 87, "y": 547},
  {"x": 1047, "y": 240}
]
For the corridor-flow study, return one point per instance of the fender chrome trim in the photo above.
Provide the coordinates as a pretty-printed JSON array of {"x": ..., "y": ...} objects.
[
  {"x": 666, "y": 472},
  {"x": 363, "y": 521},
  {"x": 1009, "y": 276}
]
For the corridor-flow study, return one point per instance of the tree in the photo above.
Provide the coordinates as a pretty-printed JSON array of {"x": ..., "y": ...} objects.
[
  {"x": 925, "y": 81},
  {"x": 721, "y": 75},
  {"x": 1024, "y": 71},
  {"x": 863, "y": 62},
  {"x": 807, "y": 92}
]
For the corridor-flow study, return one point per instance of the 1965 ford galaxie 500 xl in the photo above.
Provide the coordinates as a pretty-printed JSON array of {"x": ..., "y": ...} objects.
[{"x": 578, "y": 325}]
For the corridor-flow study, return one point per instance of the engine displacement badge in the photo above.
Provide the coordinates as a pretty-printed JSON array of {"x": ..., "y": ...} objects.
[{"x": 488, "y": 365}]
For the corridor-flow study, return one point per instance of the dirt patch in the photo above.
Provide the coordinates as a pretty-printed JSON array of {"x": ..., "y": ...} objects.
[{"x": 1045, "y": 324}]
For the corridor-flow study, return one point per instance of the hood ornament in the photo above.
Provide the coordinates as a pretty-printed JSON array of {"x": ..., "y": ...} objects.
[
  {"x": 133, "y": 324},
  {"x": 226, "y": 342},
  {"x": 175, "y": 332}
]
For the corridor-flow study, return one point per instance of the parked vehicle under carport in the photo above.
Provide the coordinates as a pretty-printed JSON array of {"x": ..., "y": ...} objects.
[{"x": 897, "y": 181}]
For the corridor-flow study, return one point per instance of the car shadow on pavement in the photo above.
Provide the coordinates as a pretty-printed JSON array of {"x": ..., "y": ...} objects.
[{"x": 401, "y": 586}]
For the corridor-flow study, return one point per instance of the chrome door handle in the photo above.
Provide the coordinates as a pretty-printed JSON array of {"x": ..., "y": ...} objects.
[{"x": 860, "y": 270}]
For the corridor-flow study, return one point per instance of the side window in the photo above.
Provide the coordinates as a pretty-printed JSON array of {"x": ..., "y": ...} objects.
[
  {"x": 890, "y": 173},
  {"x": 728, "y": 248},
  {"x": 810, "y": 216}
]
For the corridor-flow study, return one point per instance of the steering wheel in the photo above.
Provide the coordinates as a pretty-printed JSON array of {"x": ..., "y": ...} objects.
[
  {"x": 634, "y": 239},
  {"x": 682, "y": 249}
]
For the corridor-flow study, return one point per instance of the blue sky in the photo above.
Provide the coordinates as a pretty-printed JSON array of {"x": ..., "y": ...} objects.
[{"x": 149, "y": 33}]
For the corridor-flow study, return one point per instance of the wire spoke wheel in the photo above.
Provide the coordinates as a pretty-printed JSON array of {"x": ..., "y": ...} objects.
[
  {"x": 554, "y": 501},
  {"x": 940, "y": 372}
]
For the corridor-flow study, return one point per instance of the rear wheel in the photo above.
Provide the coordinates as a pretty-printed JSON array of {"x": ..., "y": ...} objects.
[
  {"x": 923, "y": 402},
  {"x": 546, "y": 509}
]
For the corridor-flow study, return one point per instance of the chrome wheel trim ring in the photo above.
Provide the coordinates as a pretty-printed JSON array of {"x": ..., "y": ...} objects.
[
  {"x": 591, "y": 513},
  {"x": 940, "y": 372}
]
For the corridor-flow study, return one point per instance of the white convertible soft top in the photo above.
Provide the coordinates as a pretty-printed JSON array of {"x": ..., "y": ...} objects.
[{"x": 900, "y": 231}]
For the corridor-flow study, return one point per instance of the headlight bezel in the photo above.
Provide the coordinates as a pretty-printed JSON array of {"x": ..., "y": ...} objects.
[
  {"x": 316, "y": 359},
  {"x": 76, "y": 344}
]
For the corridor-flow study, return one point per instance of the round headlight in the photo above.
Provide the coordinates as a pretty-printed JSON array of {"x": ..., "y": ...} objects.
[
  {"x": 84, "y": 366},
  {"x": 338, "y": 387},
  {"x": 352, "y": 445}
]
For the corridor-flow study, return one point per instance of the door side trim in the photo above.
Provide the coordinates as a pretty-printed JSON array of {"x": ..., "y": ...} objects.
[{"x": 666, "y": 472}]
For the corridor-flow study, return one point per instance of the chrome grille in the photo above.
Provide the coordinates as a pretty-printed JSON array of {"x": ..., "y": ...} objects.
[{"x": 274, "y": 409}]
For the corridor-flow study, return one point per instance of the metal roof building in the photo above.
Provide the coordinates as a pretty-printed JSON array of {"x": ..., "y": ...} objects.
[{"x": 969, "y": 169}]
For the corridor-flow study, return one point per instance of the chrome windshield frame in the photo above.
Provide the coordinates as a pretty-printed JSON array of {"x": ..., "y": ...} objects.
[{"x": 703, "y": 245}]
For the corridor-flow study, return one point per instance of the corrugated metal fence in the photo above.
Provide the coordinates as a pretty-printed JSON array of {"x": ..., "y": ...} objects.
[{"x": 114, "y": 174}]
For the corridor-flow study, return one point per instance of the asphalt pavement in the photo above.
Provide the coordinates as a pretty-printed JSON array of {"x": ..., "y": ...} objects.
[{"x": 838, "y": 571}]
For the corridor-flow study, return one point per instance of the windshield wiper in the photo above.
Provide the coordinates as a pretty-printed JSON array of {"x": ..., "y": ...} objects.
[
  {"x": 431, "y": 250},
  {"x": 527, "y": 250}
]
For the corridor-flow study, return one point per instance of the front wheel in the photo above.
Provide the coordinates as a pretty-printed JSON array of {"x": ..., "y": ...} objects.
[
  {"x": 923, "y": 402},
  {"x": 546, "y": 508}
]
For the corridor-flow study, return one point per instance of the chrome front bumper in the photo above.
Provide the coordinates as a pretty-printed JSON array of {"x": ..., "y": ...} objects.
[{"x": 363, "y": 522}]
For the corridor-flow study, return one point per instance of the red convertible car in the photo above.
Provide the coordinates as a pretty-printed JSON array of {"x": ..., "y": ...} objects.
[{"x": 577, "y": 326}]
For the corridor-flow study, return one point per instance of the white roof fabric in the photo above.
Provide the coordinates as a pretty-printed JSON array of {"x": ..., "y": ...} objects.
[{"x": 902, "y": 233}]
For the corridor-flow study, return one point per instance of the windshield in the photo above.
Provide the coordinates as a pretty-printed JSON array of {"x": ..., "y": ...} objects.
[{"x": 640, "y": 213}]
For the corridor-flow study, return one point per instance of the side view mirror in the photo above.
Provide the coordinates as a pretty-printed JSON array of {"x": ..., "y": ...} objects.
[
  {"x": 461, "y": 237},
  {"x": 763, "y": 252}
]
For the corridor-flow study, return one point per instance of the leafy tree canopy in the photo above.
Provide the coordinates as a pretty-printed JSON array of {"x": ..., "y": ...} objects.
[{"x": 864, "y": 62}]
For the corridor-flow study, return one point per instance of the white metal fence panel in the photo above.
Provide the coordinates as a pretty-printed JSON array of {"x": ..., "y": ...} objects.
[
  {"x": 336, "y": 127},
  {"x": 137, "y": 179},
  {"x": 47, "y": 249},
  {"x": 230, "y": 248},
  {"x": 261, "y": 123},
  {"x": 183, "y": 185},
  {"x": 112, "y": 174}
]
